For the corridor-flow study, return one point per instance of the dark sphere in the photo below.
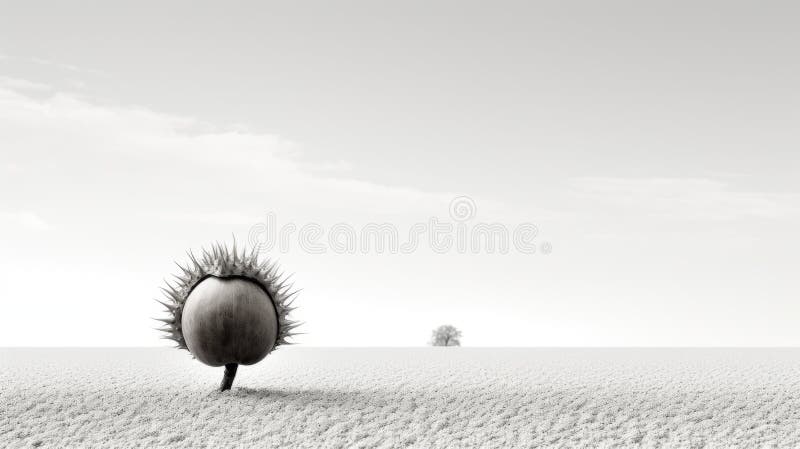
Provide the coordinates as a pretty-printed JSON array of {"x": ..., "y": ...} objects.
[{"x": 229, "y": 320}]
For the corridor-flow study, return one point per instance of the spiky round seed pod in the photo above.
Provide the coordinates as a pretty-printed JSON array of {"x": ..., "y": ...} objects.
[{"x": 228, "y": 308}]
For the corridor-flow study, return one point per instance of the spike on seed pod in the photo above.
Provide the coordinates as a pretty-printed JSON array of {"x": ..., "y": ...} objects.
[{"x": 227, "y": 308}]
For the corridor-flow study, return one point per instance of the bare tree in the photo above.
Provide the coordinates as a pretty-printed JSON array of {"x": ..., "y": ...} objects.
[{"x": 446, "y": 335}]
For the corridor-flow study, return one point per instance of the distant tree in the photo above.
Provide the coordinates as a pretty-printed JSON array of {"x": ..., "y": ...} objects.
[{"x": 446, "y": 335}]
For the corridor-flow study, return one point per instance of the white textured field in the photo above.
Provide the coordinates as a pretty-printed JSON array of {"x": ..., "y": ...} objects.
[{"x": 426, "y": 397}]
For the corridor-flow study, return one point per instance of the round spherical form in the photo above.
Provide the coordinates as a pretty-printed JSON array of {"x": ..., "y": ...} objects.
[
  {"x": 229, "y": 320},
  {"x": 228, "y": 308}
]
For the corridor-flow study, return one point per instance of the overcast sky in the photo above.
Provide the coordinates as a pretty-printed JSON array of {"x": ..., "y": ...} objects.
[{"x": 654, "y": 146}]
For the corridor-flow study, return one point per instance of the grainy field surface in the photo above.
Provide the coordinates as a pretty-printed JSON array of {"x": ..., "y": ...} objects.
[{"x": 425, "y": 397}]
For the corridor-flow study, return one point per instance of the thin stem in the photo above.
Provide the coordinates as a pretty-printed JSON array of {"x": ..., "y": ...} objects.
[{"x": 227, "y": 379}]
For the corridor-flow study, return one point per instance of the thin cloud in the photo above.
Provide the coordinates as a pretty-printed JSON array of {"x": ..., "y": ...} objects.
[
  {"x": 182, "y": 168},
  {"x": 23, "y": 85},
  {"x": 26, "y": 220},
  {"x": 683, "y": 198},
  {"x": 67, "y": 67}
]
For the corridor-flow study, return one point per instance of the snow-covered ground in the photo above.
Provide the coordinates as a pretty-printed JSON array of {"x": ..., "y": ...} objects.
[{"x": 422, "y": 397}]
